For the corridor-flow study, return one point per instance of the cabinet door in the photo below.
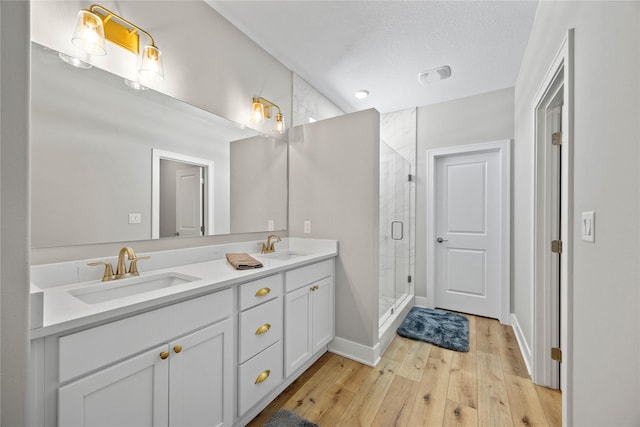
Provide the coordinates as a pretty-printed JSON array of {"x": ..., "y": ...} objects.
[
  {"x": 297, "y": 341},
  {"x": 201, "y": 377},
  {"x": 132, "y": 393},
  {"x": 322, "y": 313}
]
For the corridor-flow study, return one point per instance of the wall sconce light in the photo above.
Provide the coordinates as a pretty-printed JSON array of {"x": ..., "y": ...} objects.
[
  {"x": 97, "y": 24},
  {"x": 261, "y": 109}
]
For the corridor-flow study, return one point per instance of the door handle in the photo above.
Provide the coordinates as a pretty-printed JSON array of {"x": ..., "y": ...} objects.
[{"x": 440, "y": 240}]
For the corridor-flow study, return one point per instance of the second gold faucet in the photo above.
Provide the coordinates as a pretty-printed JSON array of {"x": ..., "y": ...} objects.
[{"x": 268, "y": 248}]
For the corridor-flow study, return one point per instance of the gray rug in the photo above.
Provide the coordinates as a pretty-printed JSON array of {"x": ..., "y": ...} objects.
[
  {"x": 441, "y": 328},
  {"x": 286, "y": 418}
]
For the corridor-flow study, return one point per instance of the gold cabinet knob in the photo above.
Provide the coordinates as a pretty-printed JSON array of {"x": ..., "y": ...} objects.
[
  {"x": 164, "y": 355},
  {"x": 315, "y": 288},
  {"x": 262, "y": 292},
  {"x": 177, "y": 348},
  {"x": 263, "y": 376},
  {"x": 262, "y": 329}
]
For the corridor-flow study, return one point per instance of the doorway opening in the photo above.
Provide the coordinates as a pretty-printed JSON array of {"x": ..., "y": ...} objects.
[
  {"x": 552, "y": 228},
  {"x": 182, "y": 195}
]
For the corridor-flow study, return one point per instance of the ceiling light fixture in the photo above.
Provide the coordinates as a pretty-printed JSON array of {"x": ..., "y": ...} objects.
[
  {"x": 434, "y": 75},
  {"x": 261, "y": 109},
  {"x": 361, "y": 94},
  {"x": 97, "y": 24}
]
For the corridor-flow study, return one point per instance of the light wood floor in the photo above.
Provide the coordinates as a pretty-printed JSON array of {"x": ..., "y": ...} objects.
[{"x": 417, "y": 384}]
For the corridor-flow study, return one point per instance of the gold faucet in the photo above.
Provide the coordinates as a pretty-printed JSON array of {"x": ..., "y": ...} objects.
[
  {"x": 121, "y": 269},
  {"x": 268, "y": 248}
]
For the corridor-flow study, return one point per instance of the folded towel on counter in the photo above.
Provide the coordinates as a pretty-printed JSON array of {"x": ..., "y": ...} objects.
[{"x": 243, "y": 261}]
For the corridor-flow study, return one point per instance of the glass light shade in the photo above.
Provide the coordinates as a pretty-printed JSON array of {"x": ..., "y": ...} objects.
[
  {"x": 257, "y": 112},
  {"x": 71, "y": 60},
  {"x": 280, "y": 127},
  {"x": 89, "y": 33},
  {"x": 151, "y": 63},
  {"x": 134, "y": 85}
]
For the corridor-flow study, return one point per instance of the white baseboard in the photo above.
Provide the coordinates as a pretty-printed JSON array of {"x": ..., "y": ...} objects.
[
  {"x": 525, "y": 350},
  {"x": 422, "y": 302},
  {"x": 369, "y": 356}
]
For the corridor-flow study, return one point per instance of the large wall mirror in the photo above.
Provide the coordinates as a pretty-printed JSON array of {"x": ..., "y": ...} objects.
[{"x": 111, "y": 164}]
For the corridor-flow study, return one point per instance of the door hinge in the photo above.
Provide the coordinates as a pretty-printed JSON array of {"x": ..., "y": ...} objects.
[
  {"x": 556, "y": 246},
  {"x": 556, "y": 354},
  {"x": 410, "y": 178},
  {"x": 409, "y": 279},
  {"x": 202, "y": 229},
  {"x": 556, "y": 138}
]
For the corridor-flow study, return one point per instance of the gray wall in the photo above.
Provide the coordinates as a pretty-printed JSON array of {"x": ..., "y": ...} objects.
[
  {"x": 14, "y": 211},
  {"x": 333, "y": 182},
  {"x": 476, "y": 119},
  {"x": 606, "y": 295},
  {"x": 258, "y": 169}
]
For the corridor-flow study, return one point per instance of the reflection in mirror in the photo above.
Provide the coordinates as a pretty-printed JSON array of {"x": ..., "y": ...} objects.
[{"x": 94, "y": 147}]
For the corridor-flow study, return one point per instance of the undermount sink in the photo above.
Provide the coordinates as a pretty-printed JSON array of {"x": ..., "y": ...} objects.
[
  {"x": 107, "y": 291},
  {"x": 285, "y": 255}
]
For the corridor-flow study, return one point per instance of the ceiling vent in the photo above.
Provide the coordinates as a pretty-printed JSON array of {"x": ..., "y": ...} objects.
[{"x": 434, "y": 75}]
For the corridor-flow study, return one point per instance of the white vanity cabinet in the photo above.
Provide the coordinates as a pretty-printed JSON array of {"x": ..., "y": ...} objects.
[
  {"x": 176, "y": 382},
  {"x": 309, "y": 313}
]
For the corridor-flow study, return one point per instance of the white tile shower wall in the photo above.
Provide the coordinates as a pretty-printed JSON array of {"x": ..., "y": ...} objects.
[
  {"x": 398, "y": 130},
  {"x": 309, "y": 103}
]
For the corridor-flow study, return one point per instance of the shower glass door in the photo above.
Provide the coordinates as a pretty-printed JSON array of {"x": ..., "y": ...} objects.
[{"x": 395, "y": 209}]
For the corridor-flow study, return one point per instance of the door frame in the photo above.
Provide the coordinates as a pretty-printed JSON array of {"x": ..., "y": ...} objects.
[
  {"x": 559, "y": 73},
  {"x": 503, "y": 147},
  {"x": 206, "y": 164}
]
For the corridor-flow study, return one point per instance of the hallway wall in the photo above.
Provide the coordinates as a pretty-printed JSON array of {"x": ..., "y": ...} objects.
[{"x": 606, "y": 295}]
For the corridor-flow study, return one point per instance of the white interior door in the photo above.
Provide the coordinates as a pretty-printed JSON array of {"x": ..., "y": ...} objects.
[
  {"x": 470, "y": 199},
  {"x": 189, "y": 194}
]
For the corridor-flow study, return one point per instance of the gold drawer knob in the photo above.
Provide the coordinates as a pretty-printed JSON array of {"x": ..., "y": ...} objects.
[
  {"x": 315, "y": 288},
  {"x": 262, "y": 292},
  {"x": 164, "y": 355},
  {"x": 263, "y": 376},
  {"x": 262, "y": 329},
  {"x": 177, "y": 348}
]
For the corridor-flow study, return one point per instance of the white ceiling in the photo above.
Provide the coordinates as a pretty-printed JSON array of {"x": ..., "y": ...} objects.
[{"x": 342, "y": 46}]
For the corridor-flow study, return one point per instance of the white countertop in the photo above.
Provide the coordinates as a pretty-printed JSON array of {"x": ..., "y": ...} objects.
[{"x": 61, "y": 311}]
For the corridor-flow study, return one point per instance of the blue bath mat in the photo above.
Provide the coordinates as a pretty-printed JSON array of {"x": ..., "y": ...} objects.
[{"x": 441, "y": 328}]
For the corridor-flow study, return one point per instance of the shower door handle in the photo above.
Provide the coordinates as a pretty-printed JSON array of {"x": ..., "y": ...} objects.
[
  {"x": 440, "y": 240},
  {"x": 394, "y": 227}
]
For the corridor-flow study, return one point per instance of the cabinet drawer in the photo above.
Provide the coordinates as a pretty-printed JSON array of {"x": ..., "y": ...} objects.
[
  {"x": 96, "y": 347},
  {"x": 259, "y": 291},
  {"x": 299, "y": 277},
  {"x": 259, "y": 328},
  {"x": 252, "y": 384}
]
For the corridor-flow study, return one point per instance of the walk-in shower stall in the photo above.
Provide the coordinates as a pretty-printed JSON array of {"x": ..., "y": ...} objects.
[{"x": 395, "y": 285}]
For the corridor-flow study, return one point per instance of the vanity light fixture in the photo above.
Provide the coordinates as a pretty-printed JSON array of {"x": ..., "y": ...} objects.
[
  {"x": 74, "y": 61},
  {"x": 434, "y": 75},
  {"x": 261, "y": 109},
  {"x": 97, "y": 24}
]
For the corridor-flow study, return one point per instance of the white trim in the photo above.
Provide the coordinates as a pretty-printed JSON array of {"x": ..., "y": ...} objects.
[
  {"x": 504, "y": 150},
  {"x": 422, "y": 302},
  {"x": 561, "y": 67},
  {"x": 525, "y": 349},
  {"x": 369, "y": 356},
  {"x": 155, "y": 187}
]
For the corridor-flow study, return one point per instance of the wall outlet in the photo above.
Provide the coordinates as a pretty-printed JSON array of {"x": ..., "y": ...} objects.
[
  {"x": 135, "y": 218},
  {"x": 307, "y": 227},
  {"x": 270, "y": 226}
]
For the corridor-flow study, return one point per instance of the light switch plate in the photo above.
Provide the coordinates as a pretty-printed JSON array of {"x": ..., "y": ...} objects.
[
  {"x": 270, "y": 226},
  {"x": 307, "y": 227},
  {"x": 588, "y": 226},
  {"x": 135, "y": 218}
]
